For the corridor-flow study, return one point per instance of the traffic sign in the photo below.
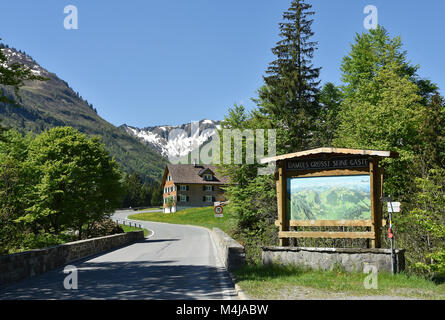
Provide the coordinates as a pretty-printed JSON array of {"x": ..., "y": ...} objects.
[{"x": 218, "y": 211}]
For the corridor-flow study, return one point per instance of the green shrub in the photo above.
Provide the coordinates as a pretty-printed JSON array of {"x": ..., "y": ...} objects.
[
  {"x": 421, "y": 228},
  {"x": 103, "y": 228},
  {"x": 42, "y": 240}
]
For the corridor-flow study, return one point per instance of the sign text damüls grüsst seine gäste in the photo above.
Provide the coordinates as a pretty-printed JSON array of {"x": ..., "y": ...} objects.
[{"x": 333, "y": 163}]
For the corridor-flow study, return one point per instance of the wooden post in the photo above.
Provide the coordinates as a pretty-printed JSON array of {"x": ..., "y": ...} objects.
[
  {"x": 381, "y": 171},
  {"x": 376, "y": 216},
  {"x": 380, "y": 211},
  {"x": 282, "y": 204}
]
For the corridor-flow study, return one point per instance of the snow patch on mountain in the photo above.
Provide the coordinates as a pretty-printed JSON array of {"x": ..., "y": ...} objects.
[
  {"x": 175, "y": 141},
  {"x": 14, "y": 56}
]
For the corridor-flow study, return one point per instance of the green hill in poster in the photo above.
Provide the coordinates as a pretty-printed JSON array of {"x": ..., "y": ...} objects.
[{"x": 329, "y": 198}]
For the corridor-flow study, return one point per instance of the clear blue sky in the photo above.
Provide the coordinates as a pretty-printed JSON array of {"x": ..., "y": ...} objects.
[{"x": 145, "y": 62}]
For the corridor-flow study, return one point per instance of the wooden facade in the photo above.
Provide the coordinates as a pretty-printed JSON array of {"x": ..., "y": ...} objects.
[{"x": 190, "y": 186}]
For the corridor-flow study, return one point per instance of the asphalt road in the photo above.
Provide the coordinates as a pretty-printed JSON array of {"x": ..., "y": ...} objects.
[{"x": 175, "y": 262}]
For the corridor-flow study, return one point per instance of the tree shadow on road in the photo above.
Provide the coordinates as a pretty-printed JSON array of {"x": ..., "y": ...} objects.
[
  {"x": 124, "y": 280},
  {"x": 159, "y": 240}
]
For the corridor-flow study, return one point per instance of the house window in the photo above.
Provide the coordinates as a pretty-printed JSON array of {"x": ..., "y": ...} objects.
[
  {"x": 183, "y": 198},
  {"x": 170, "y": 199},
  {"x": 208, "y": 199},
  {"x": 183, "y": 188},
  {"x": 208, "y": 177},
  {"x": 208, "y": 188}
]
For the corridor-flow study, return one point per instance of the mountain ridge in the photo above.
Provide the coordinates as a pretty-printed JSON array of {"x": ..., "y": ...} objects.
[{"x": 175, "y": 141}]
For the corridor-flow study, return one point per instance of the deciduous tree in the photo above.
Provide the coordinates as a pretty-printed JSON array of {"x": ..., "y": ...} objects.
[{"x": 78, "y": 182}]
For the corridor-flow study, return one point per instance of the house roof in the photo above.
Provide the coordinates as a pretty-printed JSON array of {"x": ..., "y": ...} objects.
[
  {"x": 191, "y": 174},
  {"x": 343, "y": 151},
  {"x": 204, "y": 170}
]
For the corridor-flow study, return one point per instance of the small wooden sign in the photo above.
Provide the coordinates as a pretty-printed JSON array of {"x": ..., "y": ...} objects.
[{"x": 393, "y": 207}]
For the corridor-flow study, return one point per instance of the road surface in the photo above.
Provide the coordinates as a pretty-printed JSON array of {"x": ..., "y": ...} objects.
[{"x": 175, "y": 262}]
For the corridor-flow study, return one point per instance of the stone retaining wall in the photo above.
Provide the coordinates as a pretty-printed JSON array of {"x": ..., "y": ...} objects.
[
  {"x": 352, "y": 260},
  {"x": 230, "y": 252},
  {"x": 18, "y": 266}
]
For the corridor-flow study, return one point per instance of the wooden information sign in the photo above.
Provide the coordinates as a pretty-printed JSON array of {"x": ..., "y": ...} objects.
[{"x": 330, "y": 187}]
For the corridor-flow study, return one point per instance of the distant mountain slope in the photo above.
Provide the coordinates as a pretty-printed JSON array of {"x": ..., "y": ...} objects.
[
  {"x": 175, "y": 141},
  {"x": 45, "y": 104}
]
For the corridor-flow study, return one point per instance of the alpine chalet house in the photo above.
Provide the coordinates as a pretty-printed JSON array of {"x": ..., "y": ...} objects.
[{"x": 191, "y": 185}]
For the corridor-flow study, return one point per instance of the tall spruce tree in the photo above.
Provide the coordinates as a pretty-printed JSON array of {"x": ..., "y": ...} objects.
[
  {"x": 290, "y": 95},
  {"x": 330, "y": 99}
]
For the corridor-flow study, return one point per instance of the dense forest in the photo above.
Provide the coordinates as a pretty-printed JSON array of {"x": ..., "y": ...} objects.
[{"x": 139, "y": 193}]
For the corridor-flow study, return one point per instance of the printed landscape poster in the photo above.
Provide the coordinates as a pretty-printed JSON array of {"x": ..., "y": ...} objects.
[{"x": 329, "y": 198}]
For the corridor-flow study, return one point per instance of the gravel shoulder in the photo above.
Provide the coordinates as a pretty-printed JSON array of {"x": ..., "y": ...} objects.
[{"x": 294, "y": 292}]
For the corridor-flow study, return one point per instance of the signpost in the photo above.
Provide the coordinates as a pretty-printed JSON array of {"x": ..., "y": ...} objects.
[{"x": 392, "y": 208}]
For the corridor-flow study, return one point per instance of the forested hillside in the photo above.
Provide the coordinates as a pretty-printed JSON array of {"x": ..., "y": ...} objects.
[{"x": 50, "y": 103}]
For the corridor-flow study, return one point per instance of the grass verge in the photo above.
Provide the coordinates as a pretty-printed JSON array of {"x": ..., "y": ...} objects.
[
  {"x": 291, "y": 282},
  {"x": 204, "y": 217},
  {"x": 149, "y": 209},
  {"x": 130, "y": 229}
]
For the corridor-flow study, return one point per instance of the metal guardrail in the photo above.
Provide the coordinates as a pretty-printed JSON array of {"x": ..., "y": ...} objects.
[
  {"x": 135, "y": 208},
  {"x": 124, "y": 221}
]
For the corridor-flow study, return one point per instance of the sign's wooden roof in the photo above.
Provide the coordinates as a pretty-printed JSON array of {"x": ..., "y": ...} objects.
[{"x": 337, "y": 151}]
